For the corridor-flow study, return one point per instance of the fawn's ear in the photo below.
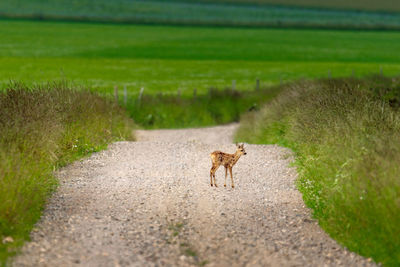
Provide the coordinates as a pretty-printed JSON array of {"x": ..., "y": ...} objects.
[{"x": 237, "y": 145}]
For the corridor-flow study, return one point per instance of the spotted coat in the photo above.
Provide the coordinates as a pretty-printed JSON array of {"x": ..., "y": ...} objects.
[{"x": 219, "y": 158}]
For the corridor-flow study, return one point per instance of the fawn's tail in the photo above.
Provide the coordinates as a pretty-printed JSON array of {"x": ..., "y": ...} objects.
[{"x": 213, "y": 156}]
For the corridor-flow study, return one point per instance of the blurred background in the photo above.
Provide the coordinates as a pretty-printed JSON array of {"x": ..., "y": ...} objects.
[{"x": 171, "y": 46}]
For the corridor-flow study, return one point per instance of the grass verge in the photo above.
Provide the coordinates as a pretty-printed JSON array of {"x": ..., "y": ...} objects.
[
  {"x": 216, "y": 107},
  {"x": 346, "y": 135},
  {"x": 41, "y": 129}
]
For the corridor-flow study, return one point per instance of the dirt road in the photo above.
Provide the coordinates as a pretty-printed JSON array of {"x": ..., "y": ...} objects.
[{"x": 149, "y": 203}]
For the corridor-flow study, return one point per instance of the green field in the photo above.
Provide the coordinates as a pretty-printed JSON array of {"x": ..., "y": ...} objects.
[
  {"x": 382, "y": 5},
  {"x": 168, "y": 58},
  {"x": 199, "y": 13}
]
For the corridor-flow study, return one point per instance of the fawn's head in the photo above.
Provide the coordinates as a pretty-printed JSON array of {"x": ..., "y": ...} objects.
[{"x": 240, "y": 149}]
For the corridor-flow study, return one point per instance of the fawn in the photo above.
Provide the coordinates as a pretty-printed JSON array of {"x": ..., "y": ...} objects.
[{"x": 219, "y": 158}]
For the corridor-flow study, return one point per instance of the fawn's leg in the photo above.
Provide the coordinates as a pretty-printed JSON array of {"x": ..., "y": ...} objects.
[
  {"x": 211, "y": 174},
  {"x": 215, "y": 170},
  {"x": 226, "y": 174},
  {"x": 230, "y": 171}
]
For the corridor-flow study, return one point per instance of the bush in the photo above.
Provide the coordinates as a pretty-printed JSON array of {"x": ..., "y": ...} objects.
[{"x": 216, "y": 107}]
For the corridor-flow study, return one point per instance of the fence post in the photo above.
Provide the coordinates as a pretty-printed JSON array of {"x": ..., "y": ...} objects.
[
  {"x": 194, "y": 93},
  {"x": 178, "y": 93},
  {"x": 125, "y": 95},
  {"x": 62, "y": 74},
  {"x": 257, "y": 84},
  {"x": 329, "y": 74},
  {"x": 116, "y": 93},
  {"x": 233, "y": 85},
  {"x": 140, "y": 95},
  {"x": 280, "y": 81},
  {"x": 381, "y": 71}
]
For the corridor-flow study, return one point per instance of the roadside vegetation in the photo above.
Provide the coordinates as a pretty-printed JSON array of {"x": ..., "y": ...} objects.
[
  {"x": 216, "y": 107},
  {"x": 346, "y": 137},
  {"x": 41, "y": 129},
  {"x": 298, "y": 14}
]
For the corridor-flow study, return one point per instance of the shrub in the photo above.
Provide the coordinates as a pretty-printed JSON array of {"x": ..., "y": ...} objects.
[{"x": 216, "y": 107}]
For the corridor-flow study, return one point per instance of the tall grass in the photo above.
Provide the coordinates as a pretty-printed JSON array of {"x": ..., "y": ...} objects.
[
  {"x": 346, "y": 135},
  {"x": 213, "y": 108},
  {"x": 42, "y": 128}
]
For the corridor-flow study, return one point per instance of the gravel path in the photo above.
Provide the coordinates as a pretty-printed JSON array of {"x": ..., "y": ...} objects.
[{"x": 149, "y": 203}]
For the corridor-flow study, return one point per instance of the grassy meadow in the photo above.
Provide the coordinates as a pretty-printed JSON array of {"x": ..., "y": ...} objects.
[
  {"x": 345, "y": 134},
  {"x": 42, "y": 128},
  {"x": 168, "y": 58}
]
